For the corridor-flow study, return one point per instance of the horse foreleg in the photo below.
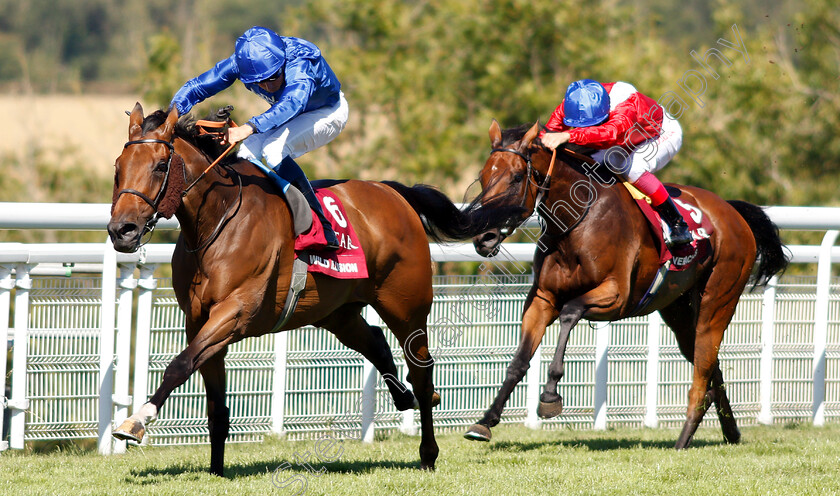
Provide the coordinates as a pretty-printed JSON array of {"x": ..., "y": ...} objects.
[
  {"x": 212, "y": 338},
  {"x": 218, "y": 414},
  {"x": 551, "y": 403},
  {"x": 603, "y": 297},
  {"x": 539, "y": 314}
]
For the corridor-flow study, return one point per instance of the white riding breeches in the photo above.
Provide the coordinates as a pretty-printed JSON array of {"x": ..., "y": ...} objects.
[
  {"x": 304, "y": 133},
  {"x": 647, "y": 156}
]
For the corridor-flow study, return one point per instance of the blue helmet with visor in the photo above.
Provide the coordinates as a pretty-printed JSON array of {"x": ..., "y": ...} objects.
[
  {"x": 260, "y": 53},
  {"x": 587, "y": 104}
]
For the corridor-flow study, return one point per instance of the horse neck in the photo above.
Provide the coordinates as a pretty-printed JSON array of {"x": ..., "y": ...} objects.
[
  {"x": 570, "y": 196},
  {"x": 207, "y": 200}
]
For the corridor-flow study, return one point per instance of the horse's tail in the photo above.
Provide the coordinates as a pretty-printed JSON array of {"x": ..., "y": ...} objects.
[
  {"x": 770, "y": 252},
  {"x": 442, "y": 219}
]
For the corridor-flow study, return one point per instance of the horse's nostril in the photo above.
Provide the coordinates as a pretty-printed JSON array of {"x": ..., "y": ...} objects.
[{"x": 127, "y": 229}]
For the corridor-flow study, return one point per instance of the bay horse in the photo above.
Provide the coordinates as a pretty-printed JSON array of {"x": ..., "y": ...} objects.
[
  {"x": 232, "y": 265},
  {"x": 598, "y": 260}
]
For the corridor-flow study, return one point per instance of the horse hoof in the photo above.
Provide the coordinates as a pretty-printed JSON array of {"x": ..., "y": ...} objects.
[
  {"x": 550, "y": 410},
  {"x": 435, "y": 401},
  {"x": 406, "y": 402},
  {"x": 131, "y": 431},
  {"x": 427, "y": 467},
  {"x": 478, "y": 432},
  {"x": 732, "y": 437}
]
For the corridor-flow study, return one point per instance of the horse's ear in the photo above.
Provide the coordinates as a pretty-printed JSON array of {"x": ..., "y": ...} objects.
[
  {"x": 529, "y": 137},
  {"x": 495, "y": 134},
  {"x": 135, "y": 121},
  {"x": 169, "y": 125}
]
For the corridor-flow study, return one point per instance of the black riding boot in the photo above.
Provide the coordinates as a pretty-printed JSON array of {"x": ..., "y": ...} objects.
[
  {"x": 680, "y": 235},
  {"x": 295, "y": 175}
]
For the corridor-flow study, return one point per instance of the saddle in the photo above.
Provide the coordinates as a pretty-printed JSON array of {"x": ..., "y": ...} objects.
[
  {"x": 698, "y": 224},
  {"x": 673, "y": 264},
  {"x": 348, "y": 262}
]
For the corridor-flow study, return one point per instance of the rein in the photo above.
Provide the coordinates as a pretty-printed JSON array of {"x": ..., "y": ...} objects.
[{"x": 218, "y": 135}]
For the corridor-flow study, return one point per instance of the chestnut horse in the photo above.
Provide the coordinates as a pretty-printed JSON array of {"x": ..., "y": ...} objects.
[
  {"x": 232, "y": 265},
  {"x": 598, "y": 260}
]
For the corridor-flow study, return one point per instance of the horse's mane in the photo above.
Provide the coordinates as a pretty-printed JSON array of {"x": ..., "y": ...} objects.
[
  {"x": 514, "y": 134},
  {"x": 186, "y": 130}
]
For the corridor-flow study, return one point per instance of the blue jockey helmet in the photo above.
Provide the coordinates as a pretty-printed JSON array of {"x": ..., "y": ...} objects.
[
  {"x": 587, "y": 104},
  {"x": 260, "y": 54}
]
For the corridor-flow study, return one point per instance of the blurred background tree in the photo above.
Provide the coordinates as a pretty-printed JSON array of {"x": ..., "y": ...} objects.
[{"x": 425, "y": 78}]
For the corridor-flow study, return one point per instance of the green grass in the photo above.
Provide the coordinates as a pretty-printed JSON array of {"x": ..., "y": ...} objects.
[{"x": 770, "y": 460}]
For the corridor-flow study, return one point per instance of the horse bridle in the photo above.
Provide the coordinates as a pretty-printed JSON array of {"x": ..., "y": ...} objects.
[
  {"x": 153, "y": 220},
  {"x": 155, "y": 204},
  {"x": 542, "y": 189}
]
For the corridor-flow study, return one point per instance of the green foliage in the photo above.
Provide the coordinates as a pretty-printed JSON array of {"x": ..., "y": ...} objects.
[
  {"x": 424, "y": 79},
  {"x": 427, "y": 90},
  {"x": 39, "y": 180},
  {"x": 162, "y": 79},
  {"x": 768, "y": 131}
]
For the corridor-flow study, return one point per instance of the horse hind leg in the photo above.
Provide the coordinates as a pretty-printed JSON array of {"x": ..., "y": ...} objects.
[
  {"x": 698, "y": 325},
  {"x": 724, "y": 411},
  {"x": 410, "y": 330},
  {"x": 681, "y": 317},
  {"x": 353, "y": 331}
]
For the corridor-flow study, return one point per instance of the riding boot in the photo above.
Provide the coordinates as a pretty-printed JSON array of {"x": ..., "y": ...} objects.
[
  {"x": 291, "y": 171},
  {"x": 679, "y": 233}
]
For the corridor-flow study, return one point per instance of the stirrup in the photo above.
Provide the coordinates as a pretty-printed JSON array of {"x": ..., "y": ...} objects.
[{"x": 679, "y": 237}]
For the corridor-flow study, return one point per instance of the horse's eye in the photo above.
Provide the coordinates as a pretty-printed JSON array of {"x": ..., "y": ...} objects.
[
  {"x": 517, "y": 178},
  {"x": 161, "y": 166}
]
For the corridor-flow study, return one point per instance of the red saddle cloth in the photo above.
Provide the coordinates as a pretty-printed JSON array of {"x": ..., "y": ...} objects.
[
  {"x": 698, "y": 225},
  {"x": 348, "y": 262}
]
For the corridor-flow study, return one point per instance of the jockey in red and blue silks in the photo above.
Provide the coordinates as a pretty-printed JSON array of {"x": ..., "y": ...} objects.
[
  {"x": 308, "y": 109},
  {"x": 634, "y": 137}
]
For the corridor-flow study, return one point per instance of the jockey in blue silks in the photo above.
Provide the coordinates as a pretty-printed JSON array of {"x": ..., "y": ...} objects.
[{"x": 308, "y": 109}]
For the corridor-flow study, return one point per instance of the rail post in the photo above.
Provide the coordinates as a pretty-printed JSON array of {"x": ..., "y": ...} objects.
[
  {"x": 768, "y": 341},
  {"x": 821, "y": 325},
  {"x": 122, "y": 399},
  {"x": 602, "y": 346},
  {"x": 106, "y": 348},
  {"x": 368, "y": 409},
  {"x": 147, "y": 285},
  {"x": 652, "y": 378},
  {"x": 19, "y": 402},
  {"x": 7, "y": 283},
  {"x": 278, "y": 397},
  {"x": 532, "y": 392}
]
